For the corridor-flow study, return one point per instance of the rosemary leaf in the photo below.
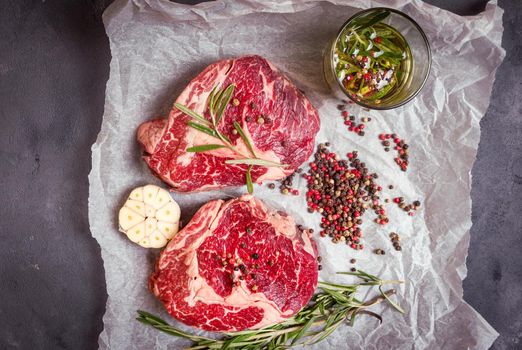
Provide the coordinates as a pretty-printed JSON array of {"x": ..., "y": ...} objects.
[
  {"x": 244, "y": 138},
  {"x": 224, "y": 100},
  {"x": 255, "y": 161},
  {"x": 233, "y": 340},
  {"x": 362, "y": 275},
  {"x": 159, "y": 324},
  {"x": 321, "y": 308},
  {"x": 352, "y": 317},
  {"x": 338, "y": 296},
  {"x": 217, "y": 98},
  {"x": 392, "y": 303},
  {"x": 326, "y": 332},
  {"x": 203, "y": 128},
  {"x": 204, "y": 148},
  {"x": 191, "y": 113},
  {"x": 250, "y": 185},
  {"x": 151, "y": 317},
  {"x": 303, "y": 330},
  {"x": 369, "y": 20},
  {"x": 337, "y": 286},
  {"x": 211, "y": 97}
]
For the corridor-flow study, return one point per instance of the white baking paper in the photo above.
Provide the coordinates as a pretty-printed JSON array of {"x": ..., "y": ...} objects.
[{"x": 158, "y": 46}]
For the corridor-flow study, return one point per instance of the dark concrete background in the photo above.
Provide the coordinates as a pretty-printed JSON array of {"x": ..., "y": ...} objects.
[{"x": 54, "y": 63}]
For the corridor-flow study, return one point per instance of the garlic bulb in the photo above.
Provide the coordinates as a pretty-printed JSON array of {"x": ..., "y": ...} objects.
[{"x": 149, "y": 217}]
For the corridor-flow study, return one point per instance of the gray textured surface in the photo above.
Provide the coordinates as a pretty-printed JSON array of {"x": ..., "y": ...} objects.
[{"x": 53, "y": 67}]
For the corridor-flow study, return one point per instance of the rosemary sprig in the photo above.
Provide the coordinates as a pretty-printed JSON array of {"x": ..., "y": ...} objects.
[
  {"x": 218, "y": 101},
  {"x": 328, "y": 309}
]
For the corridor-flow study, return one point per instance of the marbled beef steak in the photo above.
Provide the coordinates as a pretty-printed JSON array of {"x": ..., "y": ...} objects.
[
  {"x": 286, "y": 134},
  {"x": 236, "y": 265}
]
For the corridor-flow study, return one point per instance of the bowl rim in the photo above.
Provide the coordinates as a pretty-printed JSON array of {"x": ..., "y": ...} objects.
[{"x": 415, "y": 24}]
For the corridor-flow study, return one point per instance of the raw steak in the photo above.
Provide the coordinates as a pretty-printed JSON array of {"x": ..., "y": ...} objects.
[
  {"x": 236, "y": 265},
  {"x": 286, "y": 136}
]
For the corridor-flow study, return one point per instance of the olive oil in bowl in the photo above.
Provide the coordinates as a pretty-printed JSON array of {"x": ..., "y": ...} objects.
[{"x": 373, "y": 63}]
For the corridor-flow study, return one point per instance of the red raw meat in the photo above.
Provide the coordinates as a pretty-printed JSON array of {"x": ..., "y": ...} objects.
[
  {"x": 198, "y": 279},
  {"x": 286, "y": 136}
]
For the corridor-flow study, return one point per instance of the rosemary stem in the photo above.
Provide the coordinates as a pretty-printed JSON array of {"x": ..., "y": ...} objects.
[{"x": 379, "y": 299}]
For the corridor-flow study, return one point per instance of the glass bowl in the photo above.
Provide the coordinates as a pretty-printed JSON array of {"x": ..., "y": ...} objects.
[{"x": 417, "y": 66}]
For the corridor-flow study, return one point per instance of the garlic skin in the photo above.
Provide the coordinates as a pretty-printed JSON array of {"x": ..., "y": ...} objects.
[{"x": 149, "y": 217}]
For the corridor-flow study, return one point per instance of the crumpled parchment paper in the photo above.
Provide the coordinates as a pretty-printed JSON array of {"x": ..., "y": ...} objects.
[{"x": 158, "y": 46}]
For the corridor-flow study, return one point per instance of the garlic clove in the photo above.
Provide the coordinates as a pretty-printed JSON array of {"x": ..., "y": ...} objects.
[
  {"x": 137, "y": 206},
  {"x": 151, "y": 224},
  {"x": 168, "y": 229},
  {"x": 149, "y": 193},
  {"x": 145, "y": 243},
  {"x": 162, "y": 198},
  {"x": 137, "y": 194},
  {"x": 157, "y": 240},
  {"x": 129, "y": 218},
  {"x": 137, "y": 232},
  {"x": 169, "y": 213}
]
